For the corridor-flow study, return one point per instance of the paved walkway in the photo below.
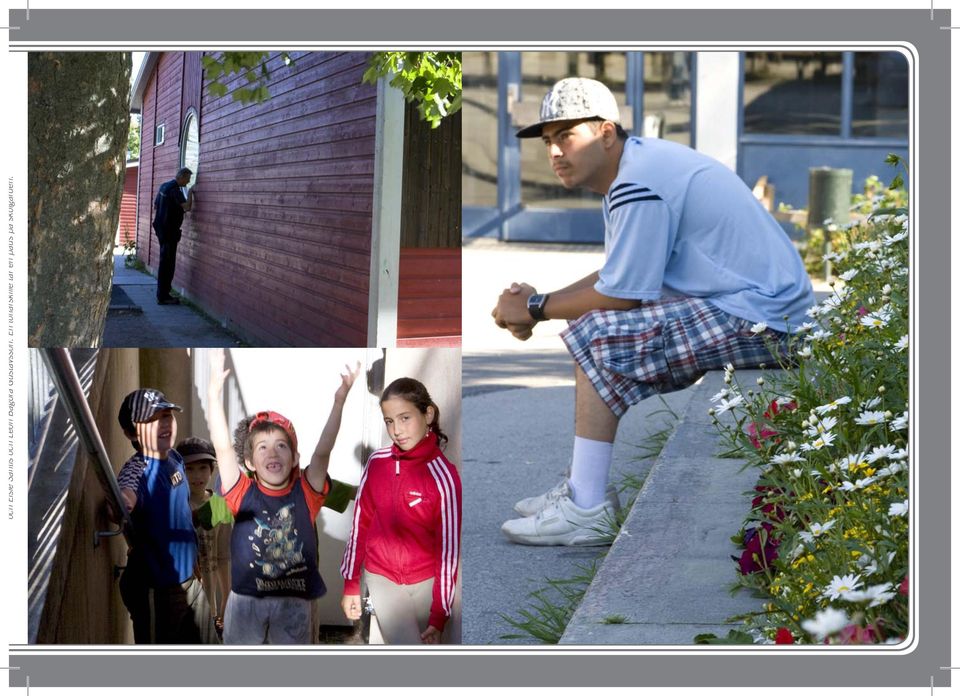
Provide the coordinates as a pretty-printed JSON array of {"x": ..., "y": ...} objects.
[{"x": 136, "y": 320}]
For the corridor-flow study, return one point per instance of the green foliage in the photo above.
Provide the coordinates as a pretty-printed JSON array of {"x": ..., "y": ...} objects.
[
  {"x": 733, "y": 637},
  {"x": 876, "y": 198},
  {"x": 133, "y": 139},
  {"x": 832, "y": 456},
  {"x": 432, "y": 79},
  {"x": 251, "y": 66},
  {"x": 614, "y": 619},
  {"x": 551, "y": 607}
]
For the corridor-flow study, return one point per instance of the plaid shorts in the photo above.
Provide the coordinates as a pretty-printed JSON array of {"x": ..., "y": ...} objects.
[{"x": 662, "y": 346}]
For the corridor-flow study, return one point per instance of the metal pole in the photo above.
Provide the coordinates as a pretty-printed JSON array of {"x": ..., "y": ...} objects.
[{"x": 65, "y": 377}]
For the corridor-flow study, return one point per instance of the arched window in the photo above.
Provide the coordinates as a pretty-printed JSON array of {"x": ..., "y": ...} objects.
[{"x": 190, "y": 144}]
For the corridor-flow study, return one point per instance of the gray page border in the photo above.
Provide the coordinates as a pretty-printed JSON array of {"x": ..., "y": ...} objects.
[{"x": 51, "y": 29}]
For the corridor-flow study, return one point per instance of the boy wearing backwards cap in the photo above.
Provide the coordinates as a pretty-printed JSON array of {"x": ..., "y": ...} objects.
[
  {"x": 159, "y": 585},
  {"x": 697, "y": 275},
  {"x": 274, "y": 541}
]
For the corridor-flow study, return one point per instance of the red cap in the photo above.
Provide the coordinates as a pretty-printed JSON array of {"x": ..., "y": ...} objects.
[{"x": 276, "y": 419}]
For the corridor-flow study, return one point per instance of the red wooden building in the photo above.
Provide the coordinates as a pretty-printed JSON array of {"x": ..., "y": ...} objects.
[
  {"x": 127, "y": 227},
  {"x": 304, "y": 201}
]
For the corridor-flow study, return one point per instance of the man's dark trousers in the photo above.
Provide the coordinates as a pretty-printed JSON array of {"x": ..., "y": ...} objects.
[{"x": 168, "y": 261}]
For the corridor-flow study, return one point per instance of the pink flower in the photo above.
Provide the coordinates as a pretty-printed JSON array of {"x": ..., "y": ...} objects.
[
  {"x": 905, "y": 585},
  {"x": 856, "y": 635}
]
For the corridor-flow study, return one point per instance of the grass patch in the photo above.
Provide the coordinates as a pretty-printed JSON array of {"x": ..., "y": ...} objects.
[{"x": 552, "y": 605}]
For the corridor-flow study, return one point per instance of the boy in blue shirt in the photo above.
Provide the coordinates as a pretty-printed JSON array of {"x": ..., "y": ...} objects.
[
  {"x": 159, "y": 585},
  {"x": 697, "y": 275}
]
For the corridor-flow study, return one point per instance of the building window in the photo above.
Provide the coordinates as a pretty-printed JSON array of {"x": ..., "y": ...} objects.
[
  {"x": 158, "y": 139},
  {"x": 190, "y": 144},
  {"x": 480, "y": 147},
  {"x": 667, "y": 96},
  {"x": 880, "y": 95},
  {"x": 792, "y": 93}
]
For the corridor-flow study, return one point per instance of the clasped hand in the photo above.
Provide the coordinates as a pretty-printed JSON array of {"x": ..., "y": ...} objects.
[{"x": 511, "y": 311}]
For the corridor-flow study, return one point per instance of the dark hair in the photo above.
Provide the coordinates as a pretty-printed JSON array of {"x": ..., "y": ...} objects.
[
  {"x": 595, "y": 126},
  {"x": 191, "y": 446},
  {"x": 243, "y": 438},
  {"x": 182, "y": 171},
  {"x": 414, "y": 392}
]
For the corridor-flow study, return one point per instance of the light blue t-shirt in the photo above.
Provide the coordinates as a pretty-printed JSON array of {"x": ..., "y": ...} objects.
[{"x": 679, "y": 222}]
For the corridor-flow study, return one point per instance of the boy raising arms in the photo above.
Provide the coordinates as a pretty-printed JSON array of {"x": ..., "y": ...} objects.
[{"x": 274, "y": 543}]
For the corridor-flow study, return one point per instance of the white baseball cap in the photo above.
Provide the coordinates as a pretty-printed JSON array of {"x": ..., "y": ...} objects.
[{"x": 571, "y": 99}]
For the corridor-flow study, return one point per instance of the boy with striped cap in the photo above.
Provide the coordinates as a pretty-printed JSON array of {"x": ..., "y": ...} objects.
[
  {"x": 159, "y": 585},
  {"x": 697, "y": 275}
]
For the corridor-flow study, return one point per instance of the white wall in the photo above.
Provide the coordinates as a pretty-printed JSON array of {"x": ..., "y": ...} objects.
[{"x": 717, "y": 95}]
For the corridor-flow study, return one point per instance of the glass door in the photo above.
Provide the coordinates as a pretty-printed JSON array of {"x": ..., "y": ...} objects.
[{"x": 509, "y": 190}]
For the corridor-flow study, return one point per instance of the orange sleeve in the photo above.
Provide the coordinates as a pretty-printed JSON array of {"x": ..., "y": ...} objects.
[
  {"x": 235, "y": 494},
  {"x": 314, "y": 498}
]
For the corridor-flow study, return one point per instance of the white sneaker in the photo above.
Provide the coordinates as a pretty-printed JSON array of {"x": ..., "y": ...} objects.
[
  {"x": 561, "y": 523},
  {"x": 531, "y": 506}
]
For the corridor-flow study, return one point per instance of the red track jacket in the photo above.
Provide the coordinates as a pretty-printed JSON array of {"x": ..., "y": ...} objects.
[{"x": 406, "y": 523}]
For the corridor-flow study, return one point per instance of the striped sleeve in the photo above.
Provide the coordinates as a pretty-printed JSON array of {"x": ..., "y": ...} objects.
[
  {"x": 355, "y": 550},
  {"x": 446, "y": 541},
  {"x": 638, "y": 243},
  {"x": 131, "y": 473}
]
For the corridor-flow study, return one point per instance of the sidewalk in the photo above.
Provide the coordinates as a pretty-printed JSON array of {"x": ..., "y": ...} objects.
[{"x": 136, "y": 320}]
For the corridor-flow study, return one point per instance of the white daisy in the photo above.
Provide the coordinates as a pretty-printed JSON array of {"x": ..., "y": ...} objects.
[
  {"x": 899, "y": 454},
  {"x": 870, "y": 418},
  {"x": 758, "y": 328},
  {"x": 820, "y": 335},
  {"x": 898, "y": 509},
  {"x": 826, "y": 622},
  {"x": 893, "y": 468},
  {"x": 814, "y": 311},
  {"x": 826, "y": 408},
  {"x": 858, "y": 484},
  {"x": 725, "y": 404},
  {"x": 816, "y": 530},
  {"x": 876, "y": 320},
  {"x": 852, "y": 461},
  {"x": 787, "y": 458},
  {"x": 900, "y": 422},
  {"x": 881, "y": 452},
  {"x": 902, "y": 344},
  {"x": 822, "y": 426},
  {"x": 849, "y": 275},
  {"x": 876, "y": 594},
  {"x": 805, "y": 327},
  {"x": 825, "y": 440},
  {"x": 840, "y": 585},
  {"x": 722, "y": 394},
  {"x": 805, "y": 352},
  {"x": 893, "y": 239}
]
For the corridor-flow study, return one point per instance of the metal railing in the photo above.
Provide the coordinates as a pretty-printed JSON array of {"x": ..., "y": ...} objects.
[{"x": 65, "y": 377}]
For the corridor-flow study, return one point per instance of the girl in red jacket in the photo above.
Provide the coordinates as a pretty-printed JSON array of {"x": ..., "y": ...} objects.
[{"x": 406, "y": 524}]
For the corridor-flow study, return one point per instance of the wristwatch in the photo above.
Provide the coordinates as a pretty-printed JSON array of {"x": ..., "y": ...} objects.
[{"x": 535, "y": 305}]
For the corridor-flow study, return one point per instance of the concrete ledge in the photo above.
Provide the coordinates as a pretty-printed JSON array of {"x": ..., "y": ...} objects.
[{"x": 669, "y": 572}]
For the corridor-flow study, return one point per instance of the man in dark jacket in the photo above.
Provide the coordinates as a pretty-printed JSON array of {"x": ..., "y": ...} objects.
[{"x": 169, "y": 206}]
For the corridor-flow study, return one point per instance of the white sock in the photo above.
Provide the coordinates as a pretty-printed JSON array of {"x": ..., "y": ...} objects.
[{"x": 590, "y": 471}]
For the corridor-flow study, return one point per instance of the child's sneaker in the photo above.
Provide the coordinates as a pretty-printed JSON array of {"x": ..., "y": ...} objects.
[
  {"x": 561, "y": 523},
  {"x": 531, "y": 506}
]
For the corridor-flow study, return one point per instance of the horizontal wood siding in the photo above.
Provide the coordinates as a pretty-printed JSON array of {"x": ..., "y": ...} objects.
[
  {"x": 158, "y": 163},
  {"x": 278, "y": 243},
  {"x": 127, "y": 229},
  {"x": 430, "y": 293}
]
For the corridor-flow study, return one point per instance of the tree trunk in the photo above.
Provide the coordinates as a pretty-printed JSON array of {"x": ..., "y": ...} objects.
[{"x": 78, "y": 119}]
